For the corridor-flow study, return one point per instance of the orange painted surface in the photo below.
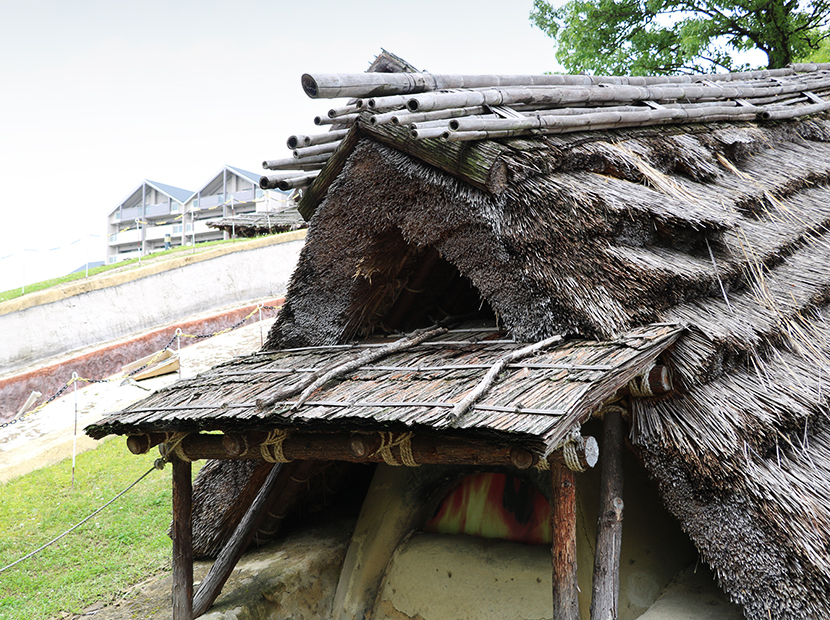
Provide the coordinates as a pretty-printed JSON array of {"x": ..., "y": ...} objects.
[{"x": 490, "y": 505}]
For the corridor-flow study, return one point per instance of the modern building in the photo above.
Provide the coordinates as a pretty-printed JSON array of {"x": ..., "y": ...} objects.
[
  {"x": 141, "y": 222},
  {"x": 155, "y": 216}
]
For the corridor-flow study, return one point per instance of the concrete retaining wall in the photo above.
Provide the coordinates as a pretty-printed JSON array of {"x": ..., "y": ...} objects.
[{"x": 52, "y": 322}]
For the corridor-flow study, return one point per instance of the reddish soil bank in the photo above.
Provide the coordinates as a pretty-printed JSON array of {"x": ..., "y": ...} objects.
[{"x": 109, "y": 359}]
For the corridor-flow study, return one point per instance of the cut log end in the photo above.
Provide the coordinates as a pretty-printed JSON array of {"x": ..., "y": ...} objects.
[
  {"x": 591, "y": 451},
  {"x": 357, "y": 446},
  {"x": 521, "y": 458},
  {"x": 234, "y": 444},
  {"x": 138, "y": 444},
  {"x": 309, "y": 85}
]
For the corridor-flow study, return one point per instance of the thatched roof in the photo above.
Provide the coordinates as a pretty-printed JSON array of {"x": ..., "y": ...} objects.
[
  {"x": 261, "y": 223},
  {"x": 412, "y": 388},
  {"x": 612, "y": 225}
]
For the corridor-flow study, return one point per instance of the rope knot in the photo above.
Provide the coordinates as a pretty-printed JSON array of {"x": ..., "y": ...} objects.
[
  {"x": 173, "y": 443},
  {"x": 271, "y": 447},
  {"x": 572, "y": 456},
  {"x": 403, "y": 442}
]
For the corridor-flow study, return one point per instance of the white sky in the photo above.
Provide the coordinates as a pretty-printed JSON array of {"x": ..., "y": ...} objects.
[{"x": 98, "y": 95}]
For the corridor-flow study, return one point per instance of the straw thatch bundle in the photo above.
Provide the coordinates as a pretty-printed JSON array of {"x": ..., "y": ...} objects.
[{"x": 723, "y": 228}]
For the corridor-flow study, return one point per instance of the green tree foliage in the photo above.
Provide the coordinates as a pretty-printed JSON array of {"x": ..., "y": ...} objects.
[{"x": 676, "y": 36}]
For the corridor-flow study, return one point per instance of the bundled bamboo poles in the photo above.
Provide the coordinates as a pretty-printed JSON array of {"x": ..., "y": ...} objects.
[{"x": 463, "y": 108}]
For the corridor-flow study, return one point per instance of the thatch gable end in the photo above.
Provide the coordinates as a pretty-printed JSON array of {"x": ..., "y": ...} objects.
[{"x": 543, "y": 254}]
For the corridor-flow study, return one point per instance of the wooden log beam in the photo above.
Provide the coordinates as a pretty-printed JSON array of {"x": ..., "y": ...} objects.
[
  {"x": 182, "y": 541},
  {"x": 365, "y": 448},
  {"x": 279, "y": 491},
  {"x": 606, "y": 580},
  {"x": 563, "y": 530},
  {"x": 655, "y": 382}
]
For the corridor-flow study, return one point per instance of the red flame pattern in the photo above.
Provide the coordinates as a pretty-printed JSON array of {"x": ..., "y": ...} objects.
[{"x": 490, "y": 505}]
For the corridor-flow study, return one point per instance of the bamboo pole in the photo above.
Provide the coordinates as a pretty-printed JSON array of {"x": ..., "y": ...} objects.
[
  {"x": 595, "y": 122},
  {"x": 318, "y": 149},
  {"x": 294, "y": 142},
  {"x": 293, "y": 163},
  {"x": 301, "y": 180},
  {"x": 404, "y": 117},
  {"x": 182, "y": 541},
  {"x": 429, "y": 132},
  {"x": 345, "y": 110},
  {"x": 299, "y": 140},
  {"x": 288, "y": 181},
  {"x": 271, "y": 181},
  {"x": 347, "y": 120},
  {"x": 563, "y": 549},
  {"x": 387, "y": 103},
  {"x": 365, "y": 85},
  {"x": 793, "y": 112},
  {"x": 810, "y": 66},
  {"x": 594, "y": 94},
  {"x": 606, "y": 579}
]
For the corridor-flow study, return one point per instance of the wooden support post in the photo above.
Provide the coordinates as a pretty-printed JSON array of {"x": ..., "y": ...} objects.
[
  {"x": 278, "y": 492},
  {"x": 606, "y": 584},
  {"x": 563, "y": 531},
  {"x": 182, "y": 541}
]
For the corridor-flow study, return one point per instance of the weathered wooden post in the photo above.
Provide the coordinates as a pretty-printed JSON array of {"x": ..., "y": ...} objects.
[
  {"x": 182, "y": 540},
  {"x": 563, "y": 534},
  {"x": 606, "y": 581}
]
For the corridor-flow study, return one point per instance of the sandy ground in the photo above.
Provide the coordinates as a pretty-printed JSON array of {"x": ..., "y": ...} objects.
[{"x": 47, "y": 437}]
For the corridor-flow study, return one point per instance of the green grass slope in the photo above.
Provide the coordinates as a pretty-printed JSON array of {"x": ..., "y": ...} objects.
[{"x": 119, "y": 547}]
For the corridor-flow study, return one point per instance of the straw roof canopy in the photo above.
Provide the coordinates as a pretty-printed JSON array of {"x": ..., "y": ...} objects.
[
  {"x": 261, "y": 223},
  {"x": 699, "y": 203}
]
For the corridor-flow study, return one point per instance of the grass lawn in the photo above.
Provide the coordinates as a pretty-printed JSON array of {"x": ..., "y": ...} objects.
[{"x": 119, "y": 547}]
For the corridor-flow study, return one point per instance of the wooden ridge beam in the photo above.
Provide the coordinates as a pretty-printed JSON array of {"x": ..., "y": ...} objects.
[{"x": 392, "y": 448}]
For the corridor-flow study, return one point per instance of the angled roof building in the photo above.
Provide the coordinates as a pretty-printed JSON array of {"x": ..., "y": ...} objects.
[
  {"x": 155, "y": 216},
  {"x": 139, "y": 223},
  {"x": 645, "y": 261}
]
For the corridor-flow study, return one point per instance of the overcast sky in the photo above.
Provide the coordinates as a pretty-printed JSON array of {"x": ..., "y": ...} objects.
[{"x": 99, "y": 95}]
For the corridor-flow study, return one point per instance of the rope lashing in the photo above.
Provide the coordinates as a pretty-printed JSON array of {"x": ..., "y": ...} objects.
[
  {"x": 404, "y": 444},
  {"x": 639, "y": 386},
  {"x": 611, "y": 407},
  {"x": 173, "y": 443},
  {"x": 271, "y": 446},
  {"x": 572, "y": 457}
]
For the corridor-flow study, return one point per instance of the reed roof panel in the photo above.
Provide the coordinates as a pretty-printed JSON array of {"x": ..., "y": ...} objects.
[{"x": 539, "y": 399}]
